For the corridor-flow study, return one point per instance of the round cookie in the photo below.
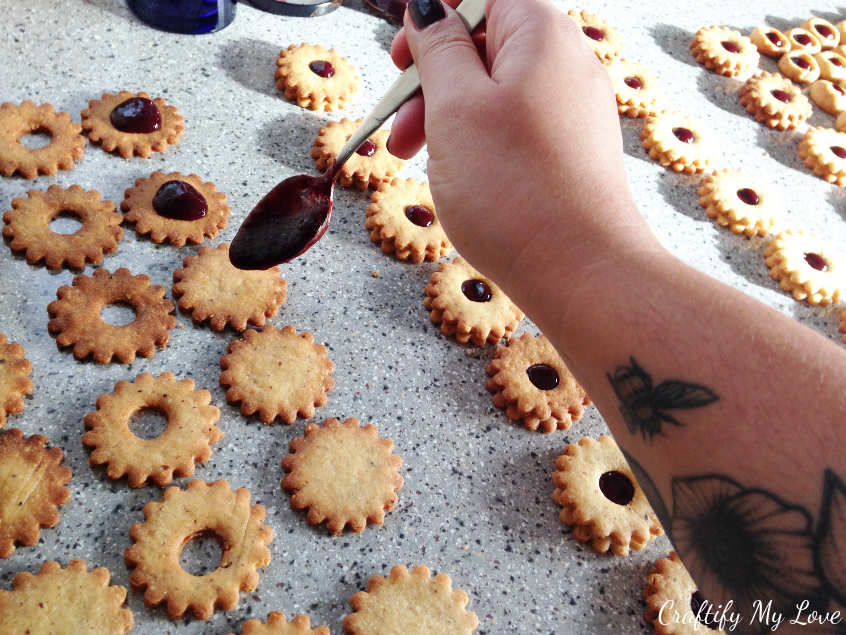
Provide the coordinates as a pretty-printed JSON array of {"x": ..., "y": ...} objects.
[
  {"x": 775, "y": 101},
  {"x": 769, "y": 41},
  {"x": 675, "y": 141},
  {"x": 824, "y": 151},
  {"x": 803, "y": 40},
  {"x": 15, "y": 370},
  {"x": 66, "y": 140},
  {"x": 635, "y": 87},
  {"x": 738, "y": 201},
  {"x": 276, "y": 624},
  {"x": 826, "y": 32},
  {"x": 315, "y": 77},
  {"x": 603, "y": 39},
  {"x": 799, "y": 66},
  {"x": 840, "y": 122},
  {"x": 830, "y": 96},
  {"x": 832, "y": 66},
  {"x": 807, "y": 267},
  {"x": 724, "y": 51}
]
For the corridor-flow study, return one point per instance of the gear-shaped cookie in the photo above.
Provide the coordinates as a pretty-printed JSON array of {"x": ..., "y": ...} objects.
[
  {"x": 807, "y": 267},
  {"x": 724, "y": 51},
  {"x": 739, "y": 202},
  {"x": 14, "y": 378},
  {"x": 315, "y": 77},
  {"x": 775, "y": 101}
]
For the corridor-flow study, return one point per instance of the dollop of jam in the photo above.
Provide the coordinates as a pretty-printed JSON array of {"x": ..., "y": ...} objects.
[
  {"x": 823, "y": 30},
  {"x": 802, "y": 38},
  {"x": 633, "y": 82},
  {"x": 683, "y": 134},
  {"x": 836, "y": 61},
  {"x": 366, "y": 149},
  {"x": 837, "y": 88},
  {"x": 420, "y": 215},
  {"x": 730, "y": 46},
  {"x": 801, "y": 62},
  {"x": 840, "y": 152},
  {"x": 781, "y": 95},
  {"x": 593, "y": 33},
  {"x": 815, "y": 261},
  {"x": 543, "y": 376},
  {"x": 322, "y": 68},
  {"x": 180, "y": 200},
  {"x": 136, "y": 114},
  {"x": 748, "y": 196},
  {"x": 476, "y": 290},
  {"x": 617, "y": 487},
  {"x": 774, "y": 38}
]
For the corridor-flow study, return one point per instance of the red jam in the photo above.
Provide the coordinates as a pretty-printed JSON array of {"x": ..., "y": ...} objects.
[
  {"x": 837, "y": 88},
  {"x": 774, "y": 38},
  {"x": 420, "y": 215},
  {"x": 781, "y": 95},
  {"x": 543, "y": 376},
  {"x": 179, "y": 200},
  {"x": 137, "y": 115},
  {"x": 802, "y": 38},
  {"x": 840, "y": 152},
  {"x": 823, "y": 30},
  {"x": 322, "y": 68},
  {"x": 593, "y": 33},
  {"x": 836, "y": 61},
  {"x": 617, "y": 487},
  {"x": 815, "y": 261},
  {"x": 748, "y": 196},
  {"x": 633, "y": 82},
  {"x": 476, "y": 290},
  {"x": 683, "y": 134},
  {"x": 731, "y": 47},
  {"x": 367, "y": 148},
  {"x": 801, "y": 62}
]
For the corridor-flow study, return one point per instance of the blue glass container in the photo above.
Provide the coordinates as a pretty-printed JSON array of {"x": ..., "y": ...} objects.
[{"x": 185, "y": 16}]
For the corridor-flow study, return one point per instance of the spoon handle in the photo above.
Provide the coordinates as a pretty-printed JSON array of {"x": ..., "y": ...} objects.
[{"x": 472, "y": 13}]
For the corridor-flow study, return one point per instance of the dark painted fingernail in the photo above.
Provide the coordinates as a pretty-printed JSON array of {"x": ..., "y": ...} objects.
[{"x": 425, "y": 12}]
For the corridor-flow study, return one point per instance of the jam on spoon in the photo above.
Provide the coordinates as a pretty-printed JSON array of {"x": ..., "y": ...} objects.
[{"x": 294, "y": 215}]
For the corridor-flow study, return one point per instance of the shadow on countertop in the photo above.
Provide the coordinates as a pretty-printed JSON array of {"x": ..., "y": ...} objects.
[{"x": 251, "y": 63}]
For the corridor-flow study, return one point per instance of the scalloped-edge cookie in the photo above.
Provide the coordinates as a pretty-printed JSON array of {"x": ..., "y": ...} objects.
[
  {"x": 276, "y": 373},
  {"x": 370, "y": 165},
  {"x": 70, "y": 600},
  {"x": 344, "y": 474},
  {"x": 76, "y": 317},
  {"x": 182, "y": 514},
  {"x": 411, "y": 603},
  {"x": 175, "y": 208},
  {"x": 635, "y": 87},
  {"x": 27, "y": 227},
  {"x": 674, "y": 140},
  {"x": 185, "y": 441},
  {"x": 530, "y": 381},
  {"x": 807, "y": 267},
  {"x": 276, "y": 624},
  {"x": 66, "y": 140},
  {"x": 402, "y": 220},
  {"x": 132, "y": 123},
  {"x": 32, "y": 480},
  {"x": 724, "y": 51},
  {"x": 468, "y": 305},
  {"x": 830, "y": 96},
  {"x": 211, "y": 289},
  {"x": 603, "y": 39},
  {"x": 826, "y": 32},
  {"x": 775, "y": 101},
  {"x": 803, "y": 40},
  {"x": 769, "y": 41},
  {"x": 315, "y": 77},
  {"x": 738, "y": 201},
  {"x": 800, "y": 66},
  {"x": 824, "y": 151},
  {"x": 15, "y": 370},
  {"x": 600, "y": 498},
  {"x": 669, "y": 592}
]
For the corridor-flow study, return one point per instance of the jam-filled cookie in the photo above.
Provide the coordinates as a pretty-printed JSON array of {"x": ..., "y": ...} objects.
[
  {"x": 675, "y": 141},
  {"x": 832, "y": 65},
  {"x": 602, "y": 38},
  {"x": 802, "y": 40},
  {"x": 807, "y": 267},
  {"x": 799, "y": 66},
  {"x": 315, "y": 77},
  {"x": 824, "y": 151},
  {"x": 635, "y": 87},
  {"x": 738, "y": 201},
  {"x": 724, "y": 51},
  {"x": 826, "y": 32},
  {"x": 775, "y": 101},
  {"x": 769, "y": 41},
  {"x": 830, "y": 96}
]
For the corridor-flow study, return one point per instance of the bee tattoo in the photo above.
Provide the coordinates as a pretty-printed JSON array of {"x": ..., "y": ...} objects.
[{"x": 644, "y": 407}]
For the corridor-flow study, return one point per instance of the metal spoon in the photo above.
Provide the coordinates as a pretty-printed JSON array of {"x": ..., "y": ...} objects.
[{"x": 294, "y": 215}]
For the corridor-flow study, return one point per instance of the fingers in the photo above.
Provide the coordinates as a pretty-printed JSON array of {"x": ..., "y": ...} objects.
[
  {"x": 407, "y": 134},
  {"x": 399, "y": 46}
]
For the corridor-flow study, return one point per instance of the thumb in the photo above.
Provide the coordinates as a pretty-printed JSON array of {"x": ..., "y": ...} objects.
[{"x": 444, "y": 52}]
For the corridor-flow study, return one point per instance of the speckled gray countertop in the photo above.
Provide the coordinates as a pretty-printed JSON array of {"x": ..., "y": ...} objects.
[{"x": 476, "y": 502}]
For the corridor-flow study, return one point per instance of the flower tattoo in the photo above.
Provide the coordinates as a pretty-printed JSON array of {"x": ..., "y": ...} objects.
[{"x": 831, "y": 548}]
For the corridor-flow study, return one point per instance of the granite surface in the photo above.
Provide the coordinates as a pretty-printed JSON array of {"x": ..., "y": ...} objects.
[{"x": 476, "y": 502}]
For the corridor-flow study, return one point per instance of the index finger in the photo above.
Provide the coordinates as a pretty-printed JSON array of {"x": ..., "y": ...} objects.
[{"x": 399, "y": 46}]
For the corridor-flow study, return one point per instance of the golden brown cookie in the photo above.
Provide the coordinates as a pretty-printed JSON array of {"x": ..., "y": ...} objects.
[
  {"x": 800, "y": 66},
  {"x": 674, "y": 140},
  {"x": 807, "y": 267},
  {"x": 32, "y": 482},
  {"x": 738, "y": 201},
  {"x": 276, "y": 373},
  {"x": 70, "y": 600},
  {"x": 212, "y": 289},
  {"x": 343, "y": 474},
  {"x": 832, "y": 65},
  {"x": 14, "y": 378},
  {"x": 803, "y": 40},
  {"x": 411, "y": 603},
  {"x": 601, "y": 499},
  {"x": 840, "y": 123},
  {"x": 370, "y": 165},
  {"x": 824, "y": 151},
  {"x": 530, "y": 380},
  {"x": 76, "y": 317},
  {"x": 769, "y": 41},
  {"x": 635, "y": 87},
  {"x": 671, "y": 595},
  {"x": 468, "y": 305},
  {"x": 315, "y": 77},
  {"x": 183, "y": 514},
  {"x": 724, "y": 51},
  {"x": 830, "y": 96},
  {"x": 402, "y": 221},
  {"x": 842, "y": 327},
  {"x": 277, "y": 625},
  {"x": 187, "y": 438},
  {"x": 826, "y": 32},
  {"x": 775, "y": 101},
  {"x": 603, "y": 39},
  {"x": 27, "y": 227},
  {"x": 66, "y": 140},
  {"x": 132, "y": 123},
  {"x": 175, "y": 208}
]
